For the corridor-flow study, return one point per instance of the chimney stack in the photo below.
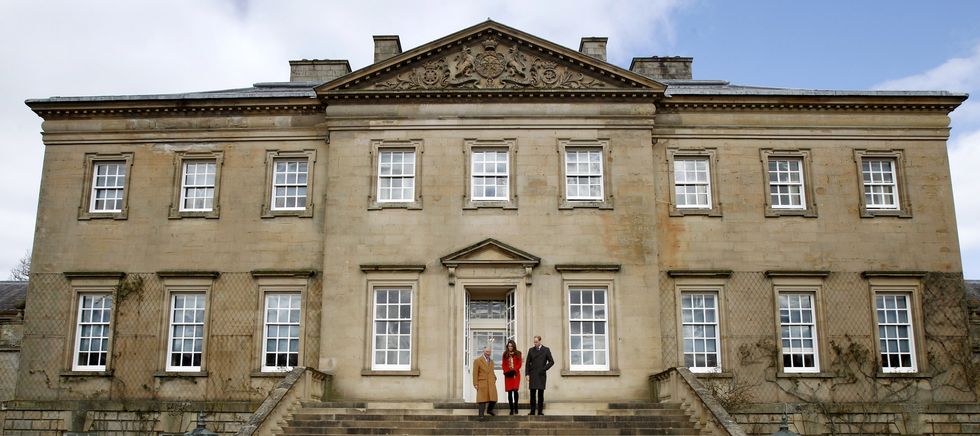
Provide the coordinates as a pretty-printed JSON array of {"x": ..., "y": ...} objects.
[
  {"x": 386, "y": 46},
  {"x": 594, "y": 46},
  {"x": 317, "y": 70},
  {"x": 663, "y": 68}
]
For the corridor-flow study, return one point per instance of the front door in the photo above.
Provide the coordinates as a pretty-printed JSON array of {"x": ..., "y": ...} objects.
[{"x": 489, "y": 322}]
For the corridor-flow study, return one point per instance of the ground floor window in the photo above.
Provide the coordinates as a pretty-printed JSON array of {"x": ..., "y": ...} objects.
[
  {"x": 588, "y": 345},
  {"x": 280, "y": 344},
  {"x": 92, "y": 332},
  {"x": 699, "y": 320},
  {"x": 896, "y": 342},
  {"x": 798, "y": 333},
  {"x": 392, "y": 348}
]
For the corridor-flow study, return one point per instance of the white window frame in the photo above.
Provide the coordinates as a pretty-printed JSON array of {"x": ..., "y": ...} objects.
[
  {"x": 883, "y": 322},
  {"x": 589, "y": 152},
  {"x": 209, "y": 164},
  {"x": 400, "y": 319},
  {"x": 494, "y": 175},
  {"x": 105, "y": 325},
  {"x": 391, "y": 175},
  {"x": 595, "y": 320},
  {"x": 287, "y": 184},
  {"x": 791, "y": 329},
  {"x": 868, "y": 182},
  {"x": 680, "y": 161},
  {"x": 789, "y": 183},
  {"x": 120, "y": 187},
  {"x": 272, "y": 158},
  {"x": 716, "y": 323},
  {"x": 172, "y": 327},
  {"x": 266, "y": 324}
]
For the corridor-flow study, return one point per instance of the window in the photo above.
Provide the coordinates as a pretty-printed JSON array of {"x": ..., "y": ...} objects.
[
  {"x": 105, "y": 186},
  {"x": 92, "y": 332},
  {"x": 788, "y": 192},
  {"x": 882, "y": 183},
  {"x": 699, "y": 321},
  {"x": 396, "y": 176},
  {"x": 583, "y": 174},
  {"x": 108, "y": 184},
  {"x": 896, "y": 343},
  {"x": 186, "y": 345},
  {"x": 490, "y": 175},
  {"x": 692, "y": 183},
  {"x": 290, "y": 181},
  {"x": 786, "y": 183},
  {"x": 798, "y": 332},
  {"x": 289, "y": 184},
  {"x": 280, "y": 341},
  {"x": 197, "y": 186},
  {"x": 588, "y": 347},
  {"x": 392, "y": 329}
]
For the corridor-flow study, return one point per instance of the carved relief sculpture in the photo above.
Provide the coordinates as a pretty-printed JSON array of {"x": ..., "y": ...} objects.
[{"x": 492, "y": 67}]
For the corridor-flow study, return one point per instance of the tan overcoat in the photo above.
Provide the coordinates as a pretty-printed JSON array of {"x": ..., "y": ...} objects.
[{"x": 485, "y": 380}]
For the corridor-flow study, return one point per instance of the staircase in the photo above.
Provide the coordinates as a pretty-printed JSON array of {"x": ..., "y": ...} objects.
[{"x": 332, "y": 418}]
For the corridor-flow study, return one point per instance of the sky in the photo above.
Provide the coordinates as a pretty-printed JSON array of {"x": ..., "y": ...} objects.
[{"x": 72, "y": 48}]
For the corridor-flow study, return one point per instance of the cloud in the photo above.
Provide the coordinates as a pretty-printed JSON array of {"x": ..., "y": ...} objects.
[
  {"x": 145, "y": 47},
  {"x": 961, "y": 74}
]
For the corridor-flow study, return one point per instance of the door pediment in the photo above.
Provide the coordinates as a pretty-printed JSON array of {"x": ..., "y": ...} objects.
[
  {"x": 490, "y": 252},
  {"x": 489, "y": 57}
]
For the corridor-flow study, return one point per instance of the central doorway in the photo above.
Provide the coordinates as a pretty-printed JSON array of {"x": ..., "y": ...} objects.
[{"x": 490, "y": 320}]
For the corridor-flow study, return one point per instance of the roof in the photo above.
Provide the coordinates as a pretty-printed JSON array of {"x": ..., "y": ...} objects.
[
  {"x": 973, "y": 289},
  {"x": 12, "y": 296},
  {"x": 721, "y": 87},
  {"x": 258, "y": 90}
]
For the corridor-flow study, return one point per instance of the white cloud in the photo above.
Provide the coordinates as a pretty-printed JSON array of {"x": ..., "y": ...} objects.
[
  {"x": 140, "y": 47},
  {"x": 957, "y": 74}
]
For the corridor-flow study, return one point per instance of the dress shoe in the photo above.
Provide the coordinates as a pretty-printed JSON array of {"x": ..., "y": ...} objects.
[
  {"x": 540, "y": 413},
  {"x": 491, "y": 413}
]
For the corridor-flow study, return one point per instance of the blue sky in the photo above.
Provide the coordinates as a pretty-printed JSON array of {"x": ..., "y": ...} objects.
[{"x": 124, "y": 47}]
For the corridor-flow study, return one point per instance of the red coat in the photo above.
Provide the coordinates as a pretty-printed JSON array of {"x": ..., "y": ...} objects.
[{"x": 512, "y": 383}]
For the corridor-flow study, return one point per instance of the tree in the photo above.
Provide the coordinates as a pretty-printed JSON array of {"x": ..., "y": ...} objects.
[{"x": 22, "y": 272}]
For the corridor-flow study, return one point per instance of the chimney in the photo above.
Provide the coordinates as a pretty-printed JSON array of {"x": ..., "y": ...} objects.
[
  {"x": 386, "y": 46},
  {"x": 594, "y": 46},
  {"x": 317, "y": 70},
  {"x": 663, "y": 68}
]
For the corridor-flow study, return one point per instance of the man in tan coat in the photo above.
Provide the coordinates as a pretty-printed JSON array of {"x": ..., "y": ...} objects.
[{"x": 485, "y": 382}]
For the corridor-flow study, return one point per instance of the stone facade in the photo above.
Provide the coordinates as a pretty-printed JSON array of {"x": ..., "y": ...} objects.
[{"x": 534, "y": 243}]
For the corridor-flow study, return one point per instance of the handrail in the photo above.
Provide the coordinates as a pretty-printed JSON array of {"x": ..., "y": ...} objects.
[
  {"x": 298, "y": 385},
  {"x": 680, "y": 383}
]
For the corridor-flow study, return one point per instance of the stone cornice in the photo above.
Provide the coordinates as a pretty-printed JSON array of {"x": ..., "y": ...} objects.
[
  {"x": 496, "y": 95},
  {"x": 730, "y": 103},
  {"x": 377, "y": 267},
  {"x": 700, "y": 273},
  {"x": 173, "y": 108}
]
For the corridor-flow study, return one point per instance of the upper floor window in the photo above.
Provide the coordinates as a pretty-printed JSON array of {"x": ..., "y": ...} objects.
[
  {"x": 692, "y": 182},
  {"x": 197, "y": 186},
  {"x": 396, "y": 176},
  {"x": 880, "y": 183},
  {"x": 290, "y": 182},
  {"x": 583, "y": 174},
  {"x": 92, "y": 332},
  {"x": 108, "y": 184},
  {"x": 786, "y": 183},
  {"x": 491, "y": 175}
]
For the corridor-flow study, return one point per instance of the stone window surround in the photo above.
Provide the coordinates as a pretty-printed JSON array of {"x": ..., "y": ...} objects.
[
  {"x": 603, "y": 278},
  {"x": 91, "y": 159},
  {"x": 603, "y": 145},
  {"x": 270, "y": 158},
  {"x": 402, "y": 276},
  {"x": 711, "y": 155},
  {"x": 909, "y": 285},
  {"x": 510, "y": 145},
  {"x": 695, "y": 283},
  {"x": 904, "y": 204},
  {"x": 279, "y": 283},
  {"x": 379, "y": 145},
  {"x": 185, "y": 282},
  {"x": 182, "y": 157},
  {"x": 809, "y": 209},
  {"x": 89, "y": 283},
  {"x": 801, "y": 283}
]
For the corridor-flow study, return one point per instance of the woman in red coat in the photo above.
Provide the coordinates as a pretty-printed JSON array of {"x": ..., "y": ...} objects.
[{"x": 511, "y": 362}]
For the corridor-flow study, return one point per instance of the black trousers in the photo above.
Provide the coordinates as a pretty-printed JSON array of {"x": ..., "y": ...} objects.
[
  {"x": 487, "y": 407},
  {"x": 537, "y": 400},
  {"x": 512, "y": 400}
]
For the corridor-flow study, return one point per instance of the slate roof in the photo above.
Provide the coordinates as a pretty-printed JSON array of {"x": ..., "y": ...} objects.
[
  {"x": 973, "y": 289},
  {"x": 12, "y": 296}
]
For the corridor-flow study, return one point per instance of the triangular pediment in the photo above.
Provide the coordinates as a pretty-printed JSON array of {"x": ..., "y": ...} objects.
[
  {"x": 490, "y": 252},
  {"x": 491, "y": 58}
]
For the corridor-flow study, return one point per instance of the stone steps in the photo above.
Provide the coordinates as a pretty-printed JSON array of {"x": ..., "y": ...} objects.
[{"x": 406, "y": 418}]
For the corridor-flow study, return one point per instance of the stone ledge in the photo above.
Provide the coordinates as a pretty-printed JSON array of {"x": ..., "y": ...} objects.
[
  {"x": 609, "y": 373},
  {"x": 371, "y": 373}
]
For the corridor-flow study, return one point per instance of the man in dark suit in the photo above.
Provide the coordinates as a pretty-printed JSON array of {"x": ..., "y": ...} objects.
[{"x": 538, "y": 362}]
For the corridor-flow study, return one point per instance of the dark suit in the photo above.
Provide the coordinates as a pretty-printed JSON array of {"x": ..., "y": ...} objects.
[{"x": 537, "y": 363}]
